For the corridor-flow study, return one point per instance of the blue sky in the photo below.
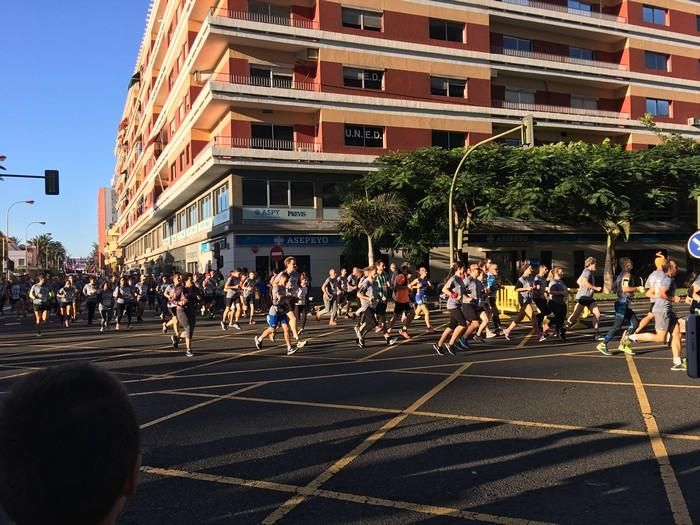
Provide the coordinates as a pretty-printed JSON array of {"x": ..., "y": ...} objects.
[{"x": 65, "y": 68}]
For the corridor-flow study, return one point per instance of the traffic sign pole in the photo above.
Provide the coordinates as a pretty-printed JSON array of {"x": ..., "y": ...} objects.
[{"x": 694, "y": 245}]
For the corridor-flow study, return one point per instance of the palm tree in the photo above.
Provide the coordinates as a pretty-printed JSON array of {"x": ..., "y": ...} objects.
[
  {"x": 371, "y": 217},
  {"x": 42, "y": 242},
  {"x": 613, "y": 230}
]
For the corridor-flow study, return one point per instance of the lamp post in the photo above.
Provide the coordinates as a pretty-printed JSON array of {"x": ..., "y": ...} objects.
[
  {"x": 26, "y": 243},
  {"x": 46, "y": 254},
  {"x": 7, "y": 231}
]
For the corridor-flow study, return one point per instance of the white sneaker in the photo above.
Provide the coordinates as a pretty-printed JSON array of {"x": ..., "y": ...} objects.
[
  {"x": 301, "y": 343},
  {"x": 292, "y": 349}
]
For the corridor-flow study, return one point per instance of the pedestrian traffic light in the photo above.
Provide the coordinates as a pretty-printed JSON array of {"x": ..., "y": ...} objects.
[
  {"x": 51, "y": 182},
  {"x": 528, "y": 132}
]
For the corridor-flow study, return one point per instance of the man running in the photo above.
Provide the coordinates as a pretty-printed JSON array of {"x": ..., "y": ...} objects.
[
  {"x": 584, "y": 296},
  {"x": 539, "y": 297},
  {"x": 329, "y": 289},
  {"x": 277, "y": 315},
  {"x": 90, "y": 292},
  {"x": 367, "y": 294},
  {"x": 290, "y": 268},
  {"x": 652, "y": 289},
  {"x": 39, "y": 295},
  {"x": 232, "y": 311},
  {"x": 558, "y": 296}
]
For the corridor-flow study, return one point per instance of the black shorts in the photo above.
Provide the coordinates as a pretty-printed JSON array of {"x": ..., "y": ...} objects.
[
  {"x": 208, "y": 299},
  {"x": 231, "y": 301},
  {"x": 381, "y": 308},
  {"x": 469, "y": 312},
  {"x": 456, "y": 318},
  {"x": 43, "y": 307},
  {"x": 585, "y": 301},
  {"x": 400, "y": 308},
  {"x": 248, "y": 301}
]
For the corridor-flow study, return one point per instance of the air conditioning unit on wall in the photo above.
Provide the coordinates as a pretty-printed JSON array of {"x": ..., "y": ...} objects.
[{"x": 694, "y": 121}]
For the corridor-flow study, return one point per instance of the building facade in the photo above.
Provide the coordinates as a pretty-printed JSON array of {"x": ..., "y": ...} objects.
[
  {"x": 106, "y": 217},
  {"x": 245, "y": 119}
]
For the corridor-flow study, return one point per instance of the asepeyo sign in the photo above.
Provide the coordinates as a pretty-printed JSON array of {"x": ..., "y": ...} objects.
[{"x": 279, "y": 213}]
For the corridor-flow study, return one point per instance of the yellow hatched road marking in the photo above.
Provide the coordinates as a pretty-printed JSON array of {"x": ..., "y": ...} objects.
[
  {"x": 679, "y": 508},
  {"x": 305, "y": 492},
  {"x": 290, "y": 504}
]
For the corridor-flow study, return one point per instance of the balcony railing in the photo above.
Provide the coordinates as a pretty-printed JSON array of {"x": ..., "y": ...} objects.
[
  {"x": 268, "y": 144},
  {"x": 282, "y": 83},
  {"x": 558, "y": 58},
  {"x": 565, "y": 9},
  {"x": 265, "y": 18},
  {"x": 546, "y": 108}
]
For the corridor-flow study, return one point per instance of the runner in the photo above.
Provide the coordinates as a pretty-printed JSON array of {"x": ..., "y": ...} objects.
[
  {"x": 171, "y": 308},
  {"x": 421, "y": 285},
  {"x": 584, "y": 296},
  {"x": 492, "y": 287},
  {"x": 15, "y": 296},
  {"x": 526, "y": 283},
  {"x": 277, "y": 315},
  {"x": 382, "y": 282},
  {"x": 209, "y": 286},
  {"x": 558, "y": 297},
  {"x": 652, "y": 288},
  {"x": 66, "y": 297},
  {"x": 539, "y": 297},
  {"x": 186, "y": 299},
  {"x": 477, "y": 298},
  {"x": 353, "y": 282},
  {"x": 39, "y": 294},
  {"x": 249, "y": 297},
  {"x": 141, "y": 291},
  {"x": 232, "y": 311},
  {"x": 403, "y": 311},
  {"x": 342, "y": 289},
  {"x": 623, "y": 309},
  {"x": 368, "y": 295},
  {"x": 301, "y": 308},
  {"x": 90, "y": 291},
  {"x": 455, "y": 291},
  {"x": 123, "y": 296},
  {"x": 106, "y": 305},
  {"x": 3, "y": 295},
  {"x": 290, "y": 265},
  {"x": 665, "y": 319},
  {"x": 329, "y": 289}
]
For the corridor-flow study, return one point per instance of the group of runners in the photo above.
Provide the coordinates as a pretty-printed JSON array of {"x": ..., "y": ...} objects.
[{"x": 362, "y": 296}]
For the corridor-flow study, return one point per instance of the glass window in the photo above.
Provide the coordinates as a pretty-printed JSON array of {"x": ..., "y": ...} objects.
[
  {"x": 658, "y": 108},
  {"x": 279, "y": 193},
  {"x": 447, "y": 87},
  {"x": 654, "y": 15},
  {"x": 360, "y": 19},
  {"x": 205, "y": 207},
  {"x": 352, "y": 77},
  {"x": 352, "y": 18},
  {"x": 448, "y": 139},
  {"x": 254, "y": 192},
  {"x": 583, "y": 102},
  {"x": 192, "y": 215},
  {"x": 520, "y": 96},
  {"x": 181, "y": 221},
  {"x": 269, "y": 136},
  {"x": 332, "y": 194},
  {"x": 367, "y": 136},
  {"x": 657, "y": 61},
  {"x": 446, "y": 30},
  {"x": 575, "y": 5},
  {"x": 516, "y": 44},
  {"x": 363, "y": 78},
  {"x": 221, "y": 202},
  {"x": 302, "y": 193},
  {"x": 260, "y": 76},
  {"x": 581, "y": 54}
]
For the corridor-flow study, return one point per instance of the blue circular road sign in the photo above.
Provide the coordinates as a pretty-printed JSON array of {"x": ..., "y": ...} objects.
[{"x": 694, "y": 245}]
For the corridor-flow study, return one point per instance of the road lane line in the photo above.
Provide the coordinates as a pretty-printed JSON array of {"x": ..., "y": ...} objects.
[
  {"x": 430, "y": 510},
  {"x": 679, "y": 508},
  {"x": 391, "y": 347},
  {"x": 293, "y": 502},
  {"x": 522, "y": 343}
]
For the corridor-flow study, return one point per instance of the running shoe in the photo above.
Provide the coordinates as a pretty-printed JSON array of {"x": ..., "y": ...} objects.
[
  {"x": 357, "y": 331},
  {"x": 506, "y": 334},
  {"x": 449, "y": 349},
  {"x": 300, "y": 343},
  {"x": 128, "y": 326},
  {"x": 626, "y": 348},
  {"x": 404, "y": 334},
  {"x": 236, "y": 326},
  {"x": 223, "y": 326},
  {"x": 603, "y": 348},
  {"x": 431, "y": 329},
  {"x": 189, "y": 353},
  {"x": 436, "y": 347},
  {"x": 479, "y": 338},
  {"x": 118, "y": 327},
  {"x": 562, "y": 336},
  {"x": 462, "y": 344},
  {"x": 174, "y": 341},
  {"x": 102, "y": 328},
  {"x": 489, "y": 335},
  {"x": 377, "y": 329},
  {"x": 291, "y": 350},
  {"x": 597, "y": 336},
  {"x": 542, "y": 337},
  {"x": 38, "y": 333},
  {"x": 682, "y": 367},
  {"x": 361, "y": 342},
  {"x": 258, "y": 342}
]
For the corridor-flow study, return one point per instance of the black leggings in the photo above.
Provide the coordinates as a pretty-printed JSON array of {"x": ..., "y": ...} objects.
[
  {"x": 544, "y": 309},
  {"x": 91, "y": 305},
  {"x": 559, "y": 311},
  {"x": 105, "y": 313},
  {"x": 300, "y": 310},
  {"x": 121, "y": 310}
]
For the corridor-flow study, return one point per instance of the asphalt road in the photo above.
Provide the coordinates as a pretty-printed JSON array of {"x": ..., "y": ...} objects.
[{"x": 509, "y": 432}]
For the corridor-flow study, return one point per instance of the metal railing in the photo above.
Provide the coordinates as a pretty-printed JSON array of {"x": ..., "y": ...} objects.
[
  {"x": 557, "y": 58},
  {"x": 268, "y": 144},
  {"x": 546, "y": 108},
  {"x": 565, "y": 9},
  {"x": 265, "y": 18},
  {"x": 282, "y": 83}
]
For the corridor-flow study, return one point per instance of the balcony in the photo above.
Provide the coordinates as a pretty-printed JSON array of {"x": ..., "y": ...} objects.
[
  {"x": 267, "y": 144},
  {"x": 562, "y": 59},
  {"x": 546, "y": 108},
  {"x": 265, "y": 18},
  {"x": 565, "y": 9},
  {"x": 281, "y": 83}
]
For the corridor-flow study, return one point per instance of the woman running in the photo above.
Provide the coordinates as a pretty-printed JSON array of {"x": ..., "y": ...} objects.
[
  {"x": 66, "y": 297},
  {"x": 105, "y": 300},
  {"x": 302, "y": 307},
  {"x": 421, "y": 285},
  {"x": 539, "y": 297},
  {"x": 558, "y": 297},
  {"x": 90, "y": 292},
  {"x": 186, "y": 299},
  {"x": 123, "y": 296},
  {"x": 455, "y": 291},
  {"x": 249, "y": 297},
  {"x": 277, "y": 315},
  {"x": 526, "y": 284}
]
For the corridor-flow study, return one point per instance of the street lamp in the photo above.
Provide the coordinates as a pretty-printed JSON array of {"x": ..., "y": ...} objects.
[
  {"x": 26, "y": 242},
  {"x": 7, "y": 230},
  {"x": 46, "y": 254}
]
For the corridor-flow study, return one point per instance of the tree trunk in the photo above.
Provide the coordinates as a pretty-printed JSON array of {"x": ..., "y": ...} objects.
[
  {"x": 370, "y": 251},
  {"x": 609, "y": 271}
]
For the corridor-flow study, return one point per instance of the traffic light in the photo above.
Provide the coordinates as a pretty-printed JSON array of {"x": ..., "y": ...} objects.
[
  {"x": 51, "y": 182},
  {"x": 528, "y": 132}
]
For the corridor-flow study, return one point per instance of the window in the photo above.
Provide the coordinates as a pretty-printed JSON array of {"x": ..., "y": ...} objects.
[
  {"x": 254, "y": 192},
  {"x": 447, "y": 87},
  {"x": 271, "y": 136},
  {"x": 575, "y": 5},
  {"x": 581, "y": 54},
  {"x": 333, "y": 194},
  {"x": 446, "y": 30},
  {"x": 656, "y": 61},
  {"x": 520, "y": 96},
  {"x": 363, "y": 78},
  {"x": 583, "y": 102},
  {"x": 265, "y": 11},
  {"x": 192, "y": 218},
  {"x": 367, "y": 136},
  {"x": 302, "y": 194},
  {"x": 658, "y": 108},
  {"x": 359, "y": 19},
  {"x": 448, "y": 139},
  {"x": 181, "y": 222},
  {"x": 221, "y": 201},
  {"x": 516, "y": 44},
  {"x": 205, "y": 207},
  {"x": 279, "y": 193},
  {"x": 173, "y": 171},
  {"x": 654, "y": 15},
  {"x": 261, "y": 76}
]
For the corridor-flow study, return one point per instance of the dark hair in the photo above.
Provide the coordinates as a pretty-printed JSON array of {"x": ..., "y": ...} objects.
[{"x": 69, "y": 440}]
